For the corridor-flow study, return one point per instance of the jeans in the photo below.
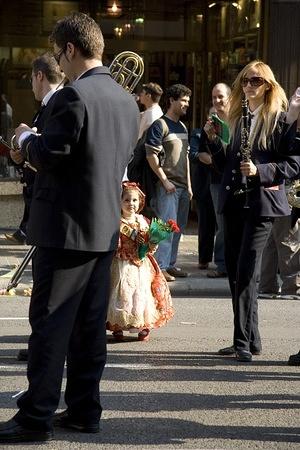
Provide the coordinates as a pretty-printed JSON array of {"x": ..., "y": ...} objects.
[
  {"x": 219, "y": 258},
  {"x": 173, "y": 206}
]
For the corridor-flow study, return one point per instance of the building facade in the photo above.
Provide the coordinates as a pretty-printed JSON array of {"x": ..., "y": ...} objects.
[{"x": 194, "y": 42}]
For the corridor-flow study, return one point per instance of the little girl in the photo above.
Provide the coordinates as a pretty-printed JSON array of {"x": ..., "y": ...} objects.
[{"x": 140, "y": 298}]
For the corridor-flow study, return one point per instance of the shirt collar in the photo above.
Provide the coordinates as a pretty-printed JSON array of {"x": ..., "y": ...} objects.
[
  {"x": 257, "y": 110},
  {"x": 49, "y": 95}
]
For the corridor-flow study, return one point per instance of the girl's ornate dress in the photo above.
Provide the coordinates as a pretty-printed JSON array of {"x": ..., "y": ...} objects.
[{"x": 140, "y": 297}]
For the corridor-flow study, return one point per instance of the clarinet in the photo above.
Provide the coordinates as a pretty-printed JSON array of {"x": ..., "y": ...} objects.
[{"x": 245, "y": 149}]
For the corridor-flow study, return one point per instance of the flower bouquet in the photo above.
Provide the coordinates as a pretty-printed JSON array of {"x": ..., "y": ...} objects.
[{"x": 157, "y": 232}]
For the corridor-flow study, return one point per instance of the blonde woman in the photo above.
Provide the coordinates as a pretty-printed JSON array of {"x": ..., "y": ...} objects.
[{"x": 249, "y": 207}]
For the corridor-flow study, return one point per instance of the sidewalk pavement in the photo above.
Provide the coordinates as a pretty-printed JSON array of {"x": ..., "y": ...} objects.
[{"x": 196, "y": 284}]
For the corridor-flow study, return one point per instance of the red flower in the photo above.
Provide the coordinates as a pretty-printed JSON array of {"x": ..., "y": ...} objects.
[{"x": 173, "y": 225}]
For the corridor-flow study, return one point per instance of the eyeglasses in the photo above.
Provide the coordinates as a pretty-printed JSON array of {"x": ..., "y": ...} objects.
[
  {"x": 254, "y": 81},
  {"x": 58, "y": 55}
]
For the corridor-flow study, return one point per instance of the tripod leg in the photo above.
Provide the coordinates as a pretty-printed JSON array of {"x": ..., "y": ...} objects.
[{"x": 14, "y": 281}]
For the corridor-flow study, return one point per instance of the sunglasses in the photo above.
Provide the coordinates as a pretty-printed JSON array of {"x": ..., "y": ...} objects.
[
  {"x": 58, "y": 55},
  {"x": 254, "y": 81}
]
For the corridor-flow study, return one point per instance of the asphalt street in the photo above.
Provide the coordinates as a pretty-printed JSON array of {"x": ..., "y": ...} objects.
[{"x": 175, "y": 392}]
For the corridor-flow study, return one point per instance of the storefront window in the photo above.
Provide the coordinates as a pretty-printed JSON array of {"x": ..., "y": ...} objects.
[{"x": 237, "y": 26}]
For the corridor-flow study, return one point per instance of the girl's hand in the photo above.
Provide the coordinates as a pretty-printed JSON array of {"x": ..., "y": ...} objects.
[
  {"x": 140, "y": 238},
  {"x": 153, "y": 247}
]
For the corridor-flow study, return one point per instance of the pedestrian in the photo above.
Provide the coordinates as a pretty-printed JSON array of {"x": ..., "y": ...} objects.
[
  {"x": 280, "y": 267},
  {"x": 149, "y": 97},
  {"x": 256, "y": 154},
  {"x": 220, "y": 101},
  {"x": 46, "y": 78},
  {"x": 140, "y": 298},
  {"x": 294, "y": 360},
  {"x": 206, "y": 218},
  {"x": 173, "y": 188},
  {"x": 74, "y": 223}
]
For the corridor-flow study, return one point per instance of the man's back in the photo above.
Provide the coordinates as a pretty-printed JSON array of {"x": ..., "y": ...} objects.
[{"x": 89, "y": 136}]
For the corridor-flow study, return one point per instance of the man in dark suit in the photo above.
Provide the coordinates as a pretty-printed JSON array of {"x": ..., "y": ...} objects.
[
  {"x": 46, "y": 76},
  {"x": 46, "y": 80},
  {"x": 74, "y": 222}
]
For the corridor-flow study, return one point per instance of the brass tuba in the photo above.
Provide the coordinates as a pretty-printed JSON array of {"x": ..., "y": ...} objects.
[
  {"x": 292, "y": 190},
  {"x": 127, "y": 69}
]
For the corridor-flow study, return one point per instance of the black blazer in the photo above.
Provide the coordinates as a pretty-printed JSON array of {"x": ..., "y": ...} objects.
[
  {"x": 200, "y": 172},
  {"x": 275, "y": 164},
  {"x": 81, "y": 157}
]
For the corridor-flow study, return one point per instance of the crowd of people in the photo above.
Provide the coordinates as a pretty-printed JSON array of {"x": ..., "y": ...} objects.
[{"x": 89, "y": 272}]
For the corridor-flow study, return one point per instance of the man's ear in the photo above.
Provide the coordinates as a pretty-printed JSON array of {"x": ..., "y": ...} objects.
[
  {"x": 39, "y": 75},
  {"x": 70, "y": 50}
]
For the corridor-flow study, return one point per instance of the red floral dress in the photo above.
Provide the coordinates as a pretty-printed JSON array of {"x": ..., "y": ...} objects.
[{"x": 140, "y": 296}]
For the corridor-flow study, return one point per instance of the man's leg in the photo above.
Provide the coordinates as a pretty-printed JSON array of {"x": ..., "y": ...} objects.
[
  {"x": 166, "y": 207},
  {"x": 87, "y": 349},
  {"x": 182, "y": 218},
  {"x": 206, "y": 228},
  {"x": 219, "y": 258},
  {"x": 61, "y": 278},
  {"x": 288, "y": 257}
]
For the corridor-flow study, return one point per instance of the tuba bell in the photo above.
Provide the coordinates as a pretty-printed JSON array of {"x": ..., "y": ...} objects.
[
  {"x": 127, "y": 69},
  {"x": 292, "y": 191}
]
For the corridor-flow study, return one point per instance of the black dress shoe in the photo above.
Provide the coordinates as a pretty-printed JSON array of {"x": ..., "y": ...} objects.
[
  {"x": 227, "y": 350},
  {"x": 243, "y": 356},
  {"x": 23, "y": 355},
  {"x": 294, "y": 360},
  {"x": 255, "y": 352},
  {"x": 16, "y": 238},
  {"x": 62, "y": 420},
  {"x": 11, "y": 431}
]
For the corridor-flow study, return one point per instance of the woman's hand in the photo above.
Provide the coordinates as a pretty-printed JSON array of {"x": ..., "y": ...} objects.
[
  {"x": 248, "y": 169},
  {"x": 210, "y": 130}
]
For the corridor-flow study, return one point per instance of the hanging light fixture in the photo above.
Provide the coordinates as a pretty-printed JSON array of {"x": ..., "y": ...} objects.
[{"x": 114, "y": 10}]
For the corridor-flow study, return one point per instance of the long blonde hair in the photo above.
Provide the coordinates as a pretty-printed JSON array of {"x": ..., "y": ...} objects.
[{"x": 275, "y": 101}]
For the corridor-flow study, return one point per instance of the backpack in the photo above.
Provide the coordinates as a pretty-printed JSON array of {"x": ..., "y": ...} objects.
[{"x": 139, "y": 170}]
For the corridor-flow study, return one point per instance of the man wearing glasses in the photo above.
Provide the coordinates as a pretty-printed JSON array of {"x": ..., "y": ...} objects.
[{"x": 74, "y": 222}]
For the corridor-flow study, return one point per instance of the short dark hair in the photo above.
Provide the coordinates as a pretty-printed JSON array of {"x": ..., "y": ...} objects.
[
  {"x": 48, "y": 66},
  {"x": 176, "y": 91},
  {"x": 82, "y": 31},
  {"x": 154, "y": 90}
]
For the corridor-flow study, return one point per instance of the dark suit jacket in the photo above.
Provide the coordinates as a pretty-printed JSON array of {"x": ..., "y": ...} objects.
[
  {"x": 275, "y": 164},
  {"x": 200, "y": 172},
  {"x": 81, "y": 157}
]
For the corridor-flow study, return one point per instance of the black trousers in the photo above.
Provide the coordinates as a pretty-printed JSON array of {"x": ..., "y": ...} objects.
[
  {"x": 27, "y": 196},
  {"x": 68, "y": 319},
  {"x": 206, "y": 228},
  {"x": 245, "y": 238}
]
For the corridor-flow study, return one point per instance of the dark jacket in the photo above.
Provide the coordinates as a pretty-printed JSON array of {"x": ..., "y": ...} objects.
[
  {"x": 275, "y": 164},
  {"x": 200, "y": 172},
  {"x": 81, "y": 157}
]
